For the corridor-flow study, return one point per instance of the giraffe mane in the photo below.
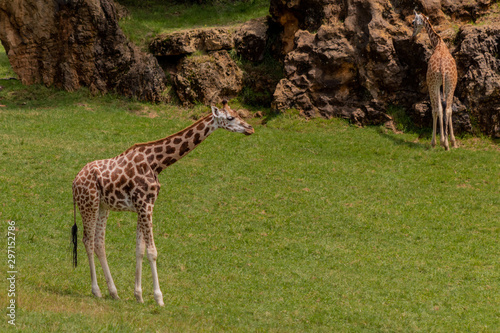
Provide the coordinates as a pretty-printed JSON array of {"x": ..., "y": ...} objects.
[{"x": 143, "y": 144}]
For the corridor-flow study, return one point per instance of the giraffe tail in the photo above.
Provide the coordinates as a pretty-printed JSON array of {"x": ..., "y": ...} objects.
[{"x": 74, "y": 236}]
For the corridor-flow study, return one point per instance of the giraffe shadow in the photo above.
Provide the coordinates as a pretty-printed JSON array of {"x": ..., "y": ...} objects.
[
  {"x": 399, "y": 141},
  {"x": 67, "y": 292},
  {"x": 60, "y": 291}
]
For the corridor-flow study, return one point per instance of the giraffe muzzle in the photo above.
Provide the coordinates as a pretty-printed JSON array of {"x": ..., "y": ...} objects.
[{"x": 249, "y": 131}]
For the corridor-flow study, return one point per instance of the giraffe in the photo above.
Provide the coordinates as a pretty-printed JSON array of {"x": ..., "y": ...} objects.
[
  {"x": 441, "y": 72},
  {"x": 129, "y": 182}
]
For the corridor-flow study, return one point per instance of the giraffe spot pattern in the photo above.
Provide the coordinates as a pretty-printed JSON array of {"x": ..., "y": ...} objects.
[
  {"x": 129, "y": 182},
  {"x": 197, "y": 139},
  {"x": 184, "y": 148},
  {"x": 170, "y": 150},
  {"x": 189, "y": 133}
]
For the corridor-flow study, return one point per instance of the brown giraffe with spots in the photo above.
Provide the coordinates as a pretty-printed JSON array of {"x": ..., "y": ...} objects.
[
  {"x": 129, "y": 182},
  {"x": 441, "y": 72}
]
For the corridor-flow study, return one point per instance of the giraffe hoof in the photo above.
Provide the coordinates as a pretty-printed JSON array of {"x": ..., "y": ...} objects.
[
  {"x": 159, "y": 298},
  {"x": 114, "y": 296},
  {"x": 97, "y": 293},
  {"x": 138, "y": 297}
]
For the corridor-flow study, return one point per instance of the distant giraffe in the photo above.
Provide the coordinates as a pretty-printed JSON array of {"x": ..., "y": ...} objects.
[
  {"x": 441, "y": 72},
  {"x": 129, "y": 182}
]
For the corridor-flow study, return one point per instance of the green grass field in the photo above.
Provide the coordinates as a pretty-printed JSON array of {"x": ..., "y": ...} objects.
[
  {"x": 305, "y": 226},
  {"x": 149, "y": 18}
]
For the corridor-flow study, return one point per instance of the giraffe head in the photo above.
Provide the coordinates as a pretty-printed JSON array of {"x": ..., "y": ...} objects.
[
  {"x": 418, "y": 23},
  {"x": 230, "y": 120}
]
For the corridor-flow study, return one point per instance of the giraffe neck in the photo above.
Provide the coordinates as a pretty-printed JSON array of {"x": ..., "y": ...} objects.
[
  {"x": 164, "y": 152},
  {"x": 433, "y": 36}
]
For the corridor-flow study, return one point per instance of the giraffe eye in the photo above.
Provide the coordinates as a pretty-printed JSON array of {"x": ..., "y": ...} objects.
[{"x": 230, "y": 118}]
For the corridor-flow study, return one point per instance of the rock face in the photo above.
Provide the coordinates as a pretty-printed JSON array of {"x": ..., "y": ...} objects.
[
  {"x": 190, "y": 41},
  {"x": 478, "y": 60},
  {"x": 464, "y": 10},
  {"x": 351, "y": 59},
  {"x": 321, "y": 76},
  {"x": 355, "y": 58},
  {"x": 350, "y": 69},
  {"x": 336, "y": 58},
  {"x": 251, "y": 39},
  {"x": 203, "y": 70},
  {"x": 207, "y": 79},
  {"x": 71, "y": 44}
]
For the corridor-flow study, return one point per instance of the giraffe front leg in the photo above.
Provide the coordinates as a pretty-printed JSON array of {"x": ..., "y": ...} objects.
[
  {"x": 139, "y": 254},
  {"x": 152, "y": 255},
  {"x": 146, "y": 228}
]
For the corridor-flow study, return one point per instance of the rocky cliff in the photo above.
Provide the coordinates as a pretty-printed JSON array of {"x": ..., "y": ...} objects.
[
  {"x": 70, "y": 44},
  {"x": 352, "y": 59},
  {"x": 331, "y": 58}
]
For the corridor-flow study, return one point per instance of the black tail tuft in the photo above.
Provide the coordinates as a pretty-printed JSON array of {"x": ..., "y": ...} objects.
[
  {"x": 74, "y": 235},
  {"x": 74, "y": 241}
]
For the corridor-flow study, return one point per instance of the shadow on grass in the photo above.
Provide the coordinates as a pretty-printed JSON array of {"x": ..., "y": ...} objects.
[
  {"x": 66, "y": 291},
  {"x": 268, "y": 116},
  {"x": 399, "y": 141}
]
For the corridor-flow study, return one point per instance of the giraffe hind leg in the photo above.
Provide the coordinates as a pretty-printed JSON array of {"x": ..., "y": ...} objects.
[
  {"x": 439, "y": 104},
  {"x": 437, "y": 112},
  {"x": 100, "y": 233},
  {"x": 86, "y": 195},
  {"x": 449, "y": 111},
  {"x": 89, "y": 222},
  {"x": 452, "y": 135},
  {"x": 445, "y": 120}
]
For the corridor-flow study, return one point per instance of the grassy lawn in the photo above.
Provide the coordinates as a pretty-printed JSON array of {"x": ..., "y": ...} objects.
[
  {"x": 304, "y": 226},
  {"x": 154, "y": 17}
]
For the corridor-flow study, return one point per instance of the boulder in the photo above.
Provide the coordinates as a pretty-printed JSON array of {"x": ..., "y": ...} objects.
[
  {"x": 291, "y": 16},
  {"x": 353, "y": 59},
  {"x": 70, "y": 44},
  {"x": 466, "y": 10},
  {"x": 259, "y": 83},
  {"x": 478, "y": 62},
  {"x": 349, "y": 70},
  {"x": 207, "y": 78},
  {"x": 190, "y": 41},
  {"x": 251, "y": 38}
]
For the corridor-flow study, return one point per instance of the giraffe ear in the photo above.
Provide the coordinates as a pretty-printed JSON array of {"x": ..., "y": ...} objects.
[{"x": 215, "y": 111}]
